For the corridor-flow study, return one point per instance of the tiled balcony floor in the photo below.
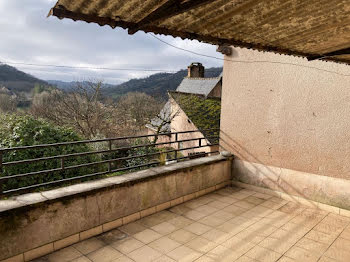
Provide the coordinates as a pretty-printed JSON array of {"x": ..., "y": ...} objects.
[{"x": 231, "y": 224}]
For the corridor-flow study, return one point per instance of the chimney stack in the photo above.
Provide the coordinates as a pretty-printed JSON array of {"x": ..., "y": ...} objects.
[{"x": 195, "y": 70}]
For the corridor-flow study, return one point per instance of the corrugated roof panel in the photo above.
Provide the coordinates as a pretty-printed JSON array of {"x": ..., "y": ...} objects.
[{"x": 295, "y": 27}]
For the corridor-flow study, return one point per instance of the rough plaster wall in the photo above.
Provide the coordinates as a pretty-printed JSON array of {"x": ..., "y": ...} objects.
[
  {"x": 180, "y": 123},
  {"x": 285, "y": 115}
]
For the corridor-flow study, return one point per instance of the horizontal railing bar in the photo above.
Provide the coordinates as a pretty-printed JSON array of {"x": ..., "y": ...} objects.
[
  {"x": 17, "y": 190},
  {"x": 102, "y": 140},
  {"x": 5, "y": 178},
  {"x": 93, "y": 152}
]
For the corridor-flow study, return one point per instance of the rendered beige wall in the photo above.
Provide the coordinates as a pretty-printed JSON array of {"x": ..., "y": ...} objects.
[{"x": 287, "y": 116}]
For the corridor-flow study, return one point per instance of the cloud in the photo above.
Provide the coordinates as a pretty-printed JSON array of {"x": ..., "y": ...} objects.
[{"x": 28, "y": 36}]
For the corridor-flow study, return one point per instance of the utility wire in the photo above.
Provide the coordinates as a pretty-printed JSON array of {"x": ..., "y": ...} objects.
[
  {"x": 88, "y": 67},
  {"x": 246, "y": 61}
]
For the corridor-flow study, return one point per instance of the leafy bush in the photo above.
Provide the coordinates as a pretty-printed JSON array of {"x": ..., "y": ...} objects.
[
  {"x": 26, "y": 131},
  {"x": 142, "y": 151}
]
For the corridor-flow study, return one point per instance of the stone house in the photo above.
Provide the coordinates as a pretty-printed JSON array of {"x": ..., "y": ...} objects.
[{"x": 195, "y": 105}]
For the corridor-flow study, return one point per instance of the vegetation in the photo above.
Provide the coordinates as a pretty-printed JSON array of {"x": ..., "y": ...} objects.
[{"x": 18, "y": 130}]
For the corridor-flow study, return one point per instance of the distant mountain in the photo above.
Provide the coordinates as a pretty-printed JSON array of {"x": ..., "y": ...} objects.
[
  {"x": 68, "y": 86},
  {"x": 17, "y": 81},
  {"x": 155, "y": 85}
]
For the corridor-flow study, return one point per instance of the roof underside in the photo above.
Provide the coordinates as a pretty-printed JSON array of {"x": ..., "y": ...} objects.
[{"x": 317, "y": 29}]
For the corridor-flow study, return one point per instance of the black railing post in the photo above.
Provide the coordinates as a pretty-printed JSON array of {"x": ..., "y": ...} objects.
[
  {"x": 110, "y": 156},
  {"x": 62, "y": 163},
  {"x": 1, "y": 183},
  {"x": 178, "y": 145},
  {"x": 200, "y": 142}
]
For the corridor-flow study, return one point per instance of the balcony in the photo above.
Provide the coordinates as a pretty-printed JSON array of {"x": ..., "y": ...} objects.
[{"x": 190, "y": 210}]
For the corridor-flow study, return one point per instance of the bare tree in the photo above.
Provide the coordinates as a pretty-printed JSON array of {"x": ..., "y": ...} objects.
[
  {"x": 161, "y": 123},
  {"x": 8, "y": 103},
  {"x": 80, "y": 109},
  {"x": 135, "y": 110}
]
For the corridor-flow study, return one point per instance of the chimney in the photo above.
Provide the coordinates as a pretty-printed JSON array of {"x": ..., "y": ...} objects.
[{"x": 195, "y": 70}]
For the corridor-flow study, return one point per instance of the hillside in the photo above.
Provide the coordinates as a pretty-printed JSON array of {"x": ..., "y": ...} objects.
[
  {"x": 155, "y": 85},
  {"x": 17, "y": 81}
]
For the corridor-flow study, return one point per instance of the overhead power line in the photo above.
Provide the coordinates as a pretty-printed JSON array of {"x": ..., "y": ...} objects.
[
  {"x": 247, "y": 61},
  {"x": 89, "y": 67}
]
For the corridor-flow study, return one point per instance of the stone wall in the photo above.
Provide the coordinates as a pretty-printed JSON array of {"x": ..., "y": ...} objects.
[{"x": 35, "y": 224}]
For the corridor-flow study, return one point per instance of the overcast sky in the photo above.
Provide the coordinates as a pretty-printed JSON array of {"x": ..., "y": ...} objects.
[{"x": 27, "y": 35}]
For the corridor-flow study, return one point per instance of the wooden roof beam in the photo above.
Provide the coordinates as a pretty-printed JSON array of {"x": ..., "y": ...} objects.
[
  {"x": 345, "y": 51},
  {"x": 167, "y": 10}
]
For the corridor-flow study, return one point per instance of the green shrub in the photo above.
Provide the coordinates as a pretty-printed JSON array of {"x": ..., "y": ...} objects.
[{"x": 26, "y": 131}]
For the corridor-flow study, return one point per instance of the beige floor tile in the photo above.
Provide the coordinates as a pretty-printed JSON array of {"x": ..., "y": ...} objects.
[
  {"x": 218, "y": 204},
  {"x": 321, "y": 237},
  {"x": 249, "y": 236},
  {"x": 205, "y": 258},
  {"x": 312, "y": 245},
  {"x": 263, "y": 196},
  {"x": 224, "y": 215},
  {"x": 337, "y": 254},
  {"x": 239, "y": 245},
  {"x": 286, "y": 259},
  {"x": 112, "y": 236},
  {"x": 235, "y": 210},
  {"x": 127, "y": 245},
  {"x": 206, "y": 209},
  {"x": 327, "y": 259},
  {"x": 165, "y": 215},
  {"x": 291, "y": 208},
  {"x": 132, "y": 228},
  {"x": 263, "y": 254},
  {"x": 245, "y": 259},
  {"x": 254, "y": 200},
  {"x": 262, "y": 229},
  {"x": 147, "y": 236},
  {"x": 329, "y": 228},
  {"x": 257, "y": 211},
  {"x": 240, "y": 195},
  {"x": 181, "y": 222},
  {"x": 197, "y": 228},
  {"x": 194, "y": 215},
  {"x": 144, "y": 254},
  {"x": 151, "y": 220},
  {"x": 273, "y": 204},
  {"x": 193, "y": 204},
  {"x": 180, "y": 209},
  {"x": 211, "y": 221},
  {"x": 230, "y": 228},
  {"x": 243, "y": 221},
  {"x": 164, "y": 259},
  {"x": 89, "y": 245},
  {"x": 164, "y": 245},
  {"x": 244, "y": 204},
  {"x": 105, "y": 254},
  {"x": 123, "y": 259},
  {"x": 284, "y": 235},
  {"x": 164, "y": 228},
  {"x": 346, "y": 233},
  {"x": 221, "y": 253},
  {"x": 216, "y": 236},
  {"x": 65, "y": 254},
  {"x": 184, "y": 254},
  {"x": 81, "y": 259},
  {"x": 182, "y": 236},
  {"x": 277, "y": 245},
  {"x": 201, "y": 244},
  {"x": 227, "y": 200},
  {"x": 302, "y": 255}
]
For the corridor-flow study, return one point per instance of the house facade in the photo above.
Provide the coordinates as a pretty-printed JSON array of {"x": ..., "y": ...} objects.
[{"x": 187, "y": 109}]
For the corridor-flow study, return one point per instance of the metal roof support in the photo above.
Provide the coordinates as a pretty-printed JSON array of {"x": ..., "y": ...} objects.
[
  {"x": 345, "y": 51},
  {"x": 167, "y": 10}
]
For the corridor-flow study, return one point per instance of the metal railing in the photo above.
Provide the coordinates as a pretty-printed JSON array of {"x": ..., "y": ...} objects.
[{"x": 111, "y": 161}]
